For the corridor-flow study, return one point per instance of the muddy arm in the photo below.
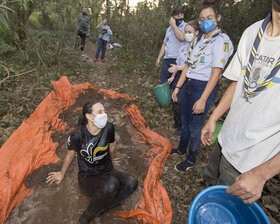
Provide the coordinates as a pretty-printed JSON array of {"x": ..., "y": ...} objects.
[
  {"x": 67, "y": 160},
  {"x": 57, "y": 177}
]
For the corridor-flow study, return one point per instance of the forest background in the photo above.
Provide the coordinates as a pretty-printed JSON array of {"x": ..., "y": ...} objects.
[
  {"x": 37, "y": 39},
  {"x": 38, "y": 43}
]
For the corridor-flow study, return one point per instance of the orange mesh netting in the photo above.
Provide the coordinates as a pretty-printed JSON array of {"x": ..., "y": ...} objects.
[{"x": 31, "y": 147}]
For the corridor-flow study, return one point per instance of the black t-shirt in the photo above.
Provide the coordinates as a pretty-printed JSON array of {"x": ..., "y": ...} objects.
[{"x": 93, "y": 151}]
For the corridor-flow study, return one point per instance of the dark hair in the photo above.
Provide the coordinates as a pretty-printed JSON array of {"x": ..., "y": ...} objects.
[
  {"x": 176, "y": 11},
  {"x": 214, "y": 4},
  {"x": 194, "y": 24},
  {"x": 87, "y": 109}
]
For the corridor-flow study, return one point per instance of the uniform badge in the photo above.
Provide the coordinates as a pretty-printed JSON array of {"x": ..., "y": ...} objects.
[
  {"x": 226, "y": 47},
  {"x": 202, "y": 59}
]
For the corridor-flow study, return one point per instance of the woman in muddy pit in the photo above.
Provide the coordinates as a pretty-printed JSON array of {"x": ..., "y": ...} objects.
[{"x": 97, "y": 177}]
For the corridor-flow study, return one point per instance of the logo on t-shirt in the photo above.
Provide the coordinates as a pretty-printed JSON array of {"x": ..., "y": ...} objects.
[
  {"x": 90, "y": 153},
  {"x": 265, "y": 61}
]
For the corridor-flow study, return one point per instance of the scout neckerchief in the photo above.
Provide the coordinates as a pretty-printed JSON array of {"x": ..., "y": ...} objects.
[
  {"x": 192, "y": 64},
  {"x": 190, "y": 48},
  {"x": 248, "y": 76}
]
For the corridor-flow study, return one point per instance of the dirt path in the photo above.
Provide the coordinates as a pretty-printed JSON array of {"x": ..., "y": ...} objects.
[{"x": 65, "y": 203}]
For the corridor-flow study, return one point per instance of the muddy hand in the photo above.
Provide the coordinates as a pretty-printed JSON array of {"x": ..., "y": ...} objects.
[
  {"x": 54, "y": 177},
  {"x": 116, "y": 162}
]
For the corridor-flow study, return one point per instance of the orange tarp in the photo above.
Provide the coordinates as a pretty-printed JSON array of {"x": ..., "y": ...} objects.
[{"x": 31, "y": 147}]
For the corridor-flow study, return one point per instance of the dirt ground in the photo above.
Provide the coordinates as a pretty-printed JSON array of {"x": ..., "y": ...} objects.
[{"x": 64, "y": 203}]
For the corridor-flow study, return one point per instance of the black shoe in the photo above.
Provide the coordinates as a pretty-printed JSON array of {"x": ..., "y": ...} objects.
[
  {"x": 176, "y": 151},
  {"x": 177, "y": 133},
  {"x": 183, "y": 166}
]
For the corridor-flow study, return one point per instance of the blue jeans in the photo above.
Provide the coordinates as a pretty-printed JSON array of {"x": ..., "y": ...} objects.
[
  {"x": 101, "y": 46},
  {"x": 165, "y": 74},
  {"x": 192, "y": 123}
]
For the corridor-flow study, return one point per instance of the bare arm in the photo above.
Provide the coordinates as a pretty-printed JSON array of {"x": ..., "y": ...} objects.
[
  {"x": 176, "y": 68},
  {"x": 57, "y": 177},
  {"x": 199, "y": 106},
  {"x": 161, "y": 54},
  {"x": 180, "y": 67},
  {"x": 223, "y": 106},
  {"x": 97, "y": 27},
  {"x": 178, "y": 33},
  {"x": 249, "y": 185}
]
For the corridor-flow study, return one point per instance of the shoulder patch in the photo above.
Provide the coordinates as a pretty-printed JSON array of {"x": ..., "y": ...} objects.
[{"x": 226, "y": 47}]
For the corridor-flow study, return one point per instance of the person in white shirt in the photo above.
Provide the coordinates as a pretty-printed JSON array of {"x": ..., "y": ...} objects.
[{"x": 247, "y": 153}]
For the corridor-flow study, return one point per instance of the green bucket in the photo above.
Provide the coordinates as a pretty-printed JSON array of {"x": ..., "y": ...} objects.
[
  {"x": 162, "y": 93},
  {"x": 219, "y": 125}
]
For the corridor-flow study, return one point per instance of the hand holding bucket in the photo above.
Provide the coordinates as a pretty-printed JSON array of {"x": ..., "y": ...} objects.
[
  {"x": 210, "y": 132},
  {"x": 214, "y": 205},
  {"x": 219, "y": 125},
  {"x": 162, "y": 93}
]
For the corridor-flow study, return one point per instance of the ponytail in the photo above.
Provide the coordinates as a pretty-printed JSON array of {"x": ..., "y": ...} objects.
[{"x": 87, "y": 109}]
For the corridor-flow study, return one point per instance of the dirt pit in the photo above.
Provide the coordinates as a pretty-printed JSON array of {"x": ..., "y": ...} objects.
[{"x": 64, "y": 203}]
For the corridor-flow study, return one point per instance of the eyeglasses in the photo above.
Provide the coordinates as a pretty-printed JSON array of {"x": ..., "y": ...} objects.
[{"x": 210, "y": 17}]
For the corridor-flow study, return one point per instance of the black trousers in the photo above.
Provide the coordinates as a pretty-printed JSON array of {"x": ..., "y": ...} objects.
[
  {"x": 83, "y": 37},
  {"x": 106, "y": 191}
]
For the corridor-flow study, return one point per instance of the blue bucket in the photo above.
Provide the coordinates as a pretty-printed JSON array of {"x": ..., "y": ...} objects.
[{"x": 214, "y": 206}]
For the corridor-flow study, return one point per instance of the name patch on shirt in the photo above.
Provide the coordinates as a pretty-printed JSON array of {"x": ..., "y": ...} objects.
[{"x": 202, "y": 59}]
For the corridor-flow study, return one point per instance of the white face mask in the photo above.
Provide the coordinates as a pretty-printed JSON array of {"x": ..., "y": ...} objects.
[
  {"x": 189, "y": 37},
  {"x": 100, "y": 120}
]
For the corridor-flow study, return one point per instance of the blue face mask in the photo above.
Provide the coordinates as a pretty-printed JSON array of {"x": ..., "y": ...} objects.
[{"x": 207, "y": 25}]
